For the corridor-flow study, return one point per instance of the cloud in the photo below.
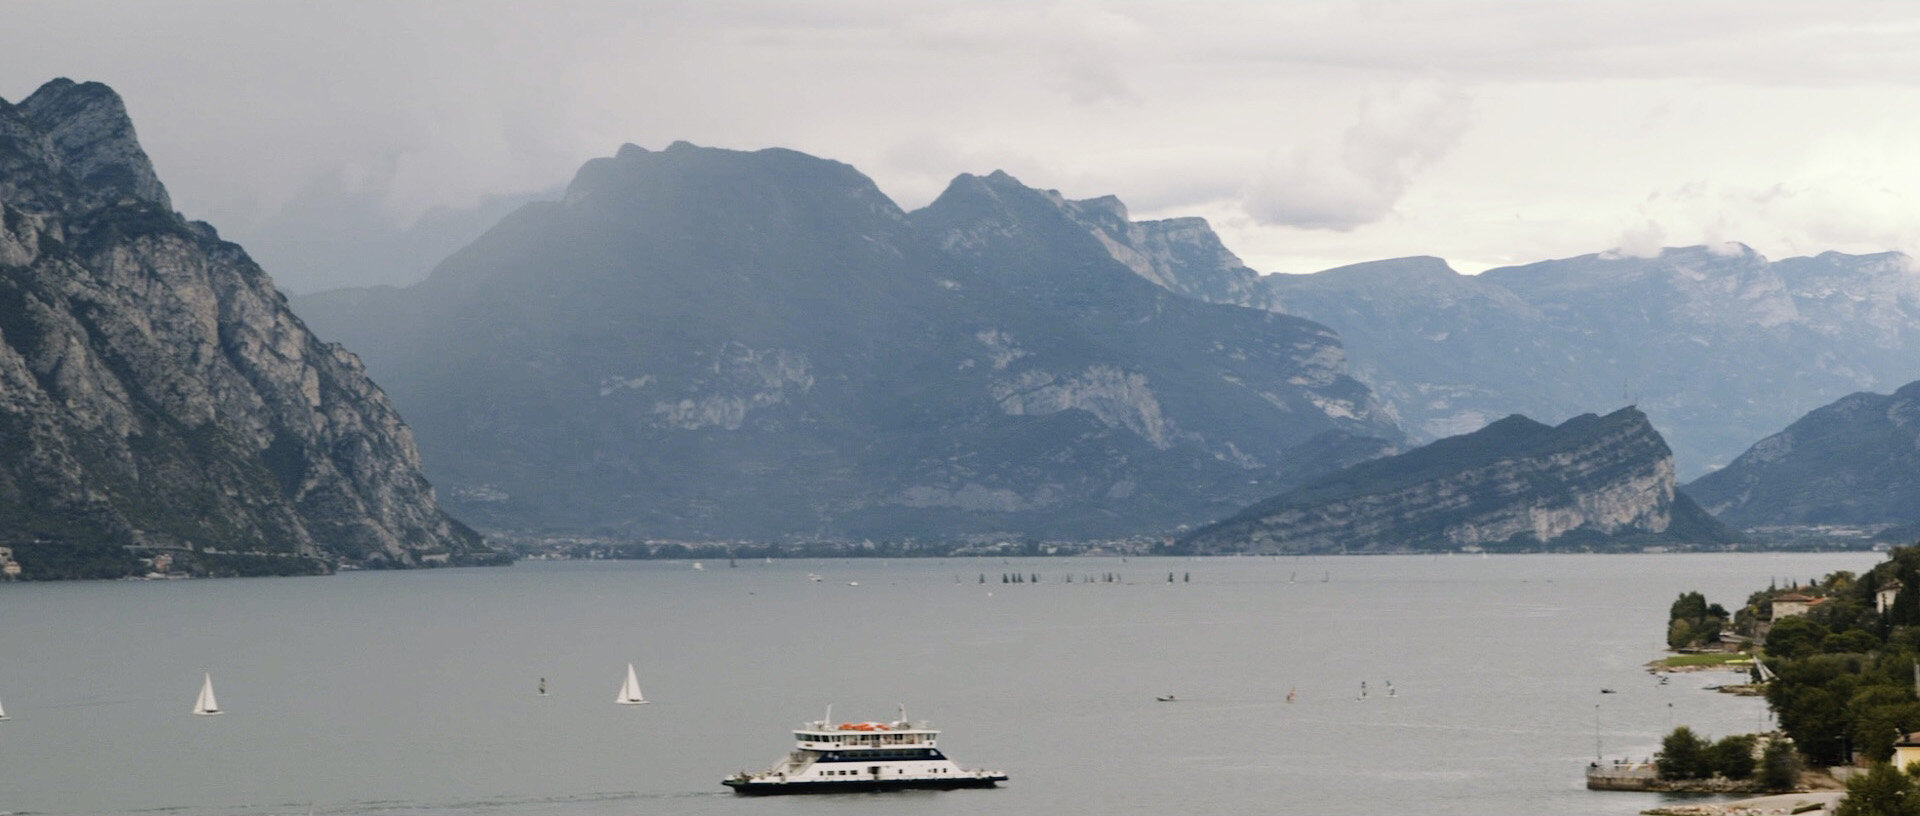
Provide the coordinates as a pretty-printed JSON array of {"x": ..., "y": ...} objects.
[
  {"x": 1358, "y": 180},
  {"x": 1642, "y": 241}
]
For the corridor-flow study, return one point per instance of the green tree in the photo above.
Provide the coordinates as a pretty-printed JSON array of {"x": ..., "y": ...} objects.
[
  {"x": 1690, "y": 607},
  {"x": 1851, "y": 641},
  {"x": 1732, "y": 756},
  {"x": 1882, "y": 791},
  {"x": 1795, "y": 637},
  {"x": 1679, "y": 634},
  {"x": 1810, "y": 699},
  {"x": 1683, "y": 755},
  {"x": 1779, "y": 766}
]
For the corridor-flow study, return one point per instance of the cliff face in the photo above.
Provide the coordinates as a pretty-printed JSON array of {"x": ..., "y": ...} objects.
[
  {"x": 1516, "y": 484},
  {"x": 1183, "y": 255},
  {"x": 154, "y": 388},
  {"x": 712, "y": 343},
  {"x": 1854, "y": 461}
]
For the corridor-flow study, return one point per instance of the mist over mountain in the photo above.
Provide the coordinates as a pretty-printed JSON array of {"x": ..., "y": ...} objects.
[
  {"x": 1853, "y": 461},
  {"x": 1516, "y": 484},
  {"x": 703, "y": 342},
  {"x": 1717, "y": 344},
  {"x": 156, "y": 395},
  {"x": 329, "y": 236}
]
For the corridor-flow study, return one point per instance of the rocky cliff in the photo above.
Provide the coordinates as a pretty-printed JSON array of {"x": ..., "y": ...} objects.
[
  {"x": 1183, "y": 255},
  {"x": 1855, "y": 461},
  {"x": 718, "y": 344},
  {"x": 1514, "y": 485},
  {"x": 155, "y": 391}
]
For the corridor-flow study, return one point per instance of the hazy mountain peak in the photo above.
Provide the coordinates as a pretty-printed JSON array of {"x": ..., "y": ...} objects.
[
  {"x": 1182, "y": 255},
  {"x": 686, "y": 172},
  {"x": 1411, "y": 268},
  {"x": 1108, "y": 205},
  {"x": 93, "y": 138}
]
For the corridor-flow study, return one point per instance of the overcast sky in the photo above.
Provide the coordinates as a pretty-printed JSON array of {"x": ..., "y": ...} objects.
[{"x": 1310, "y": 134}]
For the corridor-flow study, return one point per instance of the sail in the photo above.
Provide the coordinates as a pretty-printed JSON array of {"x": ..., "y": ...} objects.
[
  {"x": 3, "y": 712},
  {"x": 630, "y": 691},
  {"x": 206, "y": 704}
]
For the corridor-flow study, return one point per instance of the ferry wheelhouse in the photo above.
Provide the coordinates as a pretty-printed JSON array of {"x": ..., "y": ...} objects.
[{"x": 862, "y": 756}]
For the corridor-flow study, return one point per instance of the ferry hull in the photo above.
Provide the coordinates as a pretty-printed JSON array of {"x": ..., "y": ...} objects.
[{"x": 760, "y": 787}]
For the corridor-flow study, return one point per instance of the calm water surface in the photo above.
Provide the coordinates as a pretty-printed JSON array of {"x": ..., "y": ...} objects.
[{"x": 413, "y": 693}]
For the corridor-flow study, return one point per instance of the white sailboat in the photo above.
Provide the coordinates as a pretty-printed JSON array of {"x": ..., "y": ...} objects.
[
  {"x": 630, "y": 690},
  {"x": 3, "y": 712},
  {"x": 205, "y": 704}
]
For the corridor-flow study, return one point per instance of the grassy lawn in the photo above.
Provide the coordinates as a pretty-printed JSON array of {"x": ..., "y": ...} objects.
[{"x": 1685, "y": 661}]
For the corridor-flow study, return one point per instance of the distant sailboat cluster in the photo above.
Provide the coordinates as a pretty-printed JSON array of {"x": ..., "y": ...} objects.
[{"x": 206, "y": 705}]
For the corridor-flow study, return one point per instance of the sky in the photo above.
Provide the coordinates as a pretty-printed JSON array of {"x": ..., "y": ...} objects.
[{"x": 354, "y": 143}]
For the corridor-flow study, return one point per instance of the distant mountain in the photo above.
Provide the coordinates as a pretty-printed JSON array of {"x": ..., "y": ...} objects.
[
  {"x": 1717, "y": 344},
  {"x": 1514, "y": 485},
  {"x": 1855, "y": 461},
  {"x": 156, "y": 393},
  {"x": 709, "y": 343}
]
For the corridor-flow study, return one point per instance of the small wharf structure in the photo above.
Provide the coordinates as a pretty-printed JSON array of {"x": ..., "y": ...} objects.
[{"x": 1622, "y": 775}]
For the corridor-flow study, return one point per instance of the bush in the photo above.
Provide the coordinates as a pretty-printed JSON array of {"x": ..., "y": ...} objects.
[
  {"x": 1779, "y": 766},
  {"x": 1732, "y": 757},
  {"x": 1683, "y": 755},
  {"x": 1881, "y": 791},
  {"x": 1679, "y": 634}
]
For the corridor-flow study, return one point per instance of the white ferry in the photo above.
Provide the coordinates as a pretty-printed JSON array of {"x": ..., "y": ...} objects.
[{"x": 862, "y": 756}]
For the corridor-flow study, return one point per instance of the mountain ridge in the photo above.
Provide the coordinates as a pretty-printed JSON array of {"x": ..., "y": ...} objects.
[
  {"x": 1516, "y": 484},
  {"x": 761, "y": 344},
  {"x": 1852, "y": 461},
  {"x": 158, "y": 392}
]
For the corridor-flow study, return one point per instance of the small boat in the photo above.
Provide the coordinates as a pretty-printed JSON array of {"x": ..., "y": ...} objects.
[
  {"x": 543, "y": 686},
  {"x": 1167, "y": 699},
  {"x": 3, "y": 712},
  {"x": 205, "y": 705},
  {"x": 862, "y": 756},
  {"x": 699, "y": 566},
  {"x": 813, "y": 576},
  {"x": 1606, "y": 691},
  {"x": 630, "y": 690},
  {"x": 1290, "y": 693}
]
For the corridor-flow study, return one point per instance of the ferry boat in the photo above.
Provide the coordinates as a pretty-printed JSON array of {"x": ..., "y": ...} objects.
[{"x": 862, "y": 756}]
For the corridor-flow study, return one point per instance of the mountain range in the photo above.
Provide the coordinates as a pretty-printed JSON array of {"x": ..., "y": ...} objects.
[
  {"x": 156, "y": 394},
  {"x": 707, "y": 343},
  {"x": 1719, "y": 345},
  {"x": 712, "y": 344}
]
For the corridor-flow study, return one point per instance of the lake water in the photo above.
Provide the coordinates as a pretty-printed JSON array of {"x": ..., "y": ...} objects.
[{"x": 414, "y": 692}]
